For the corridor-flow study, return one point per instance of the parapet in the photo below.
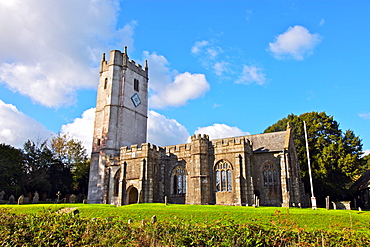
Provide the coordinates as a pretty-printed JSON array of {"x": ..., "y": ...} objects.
[
  {"x": 118, "y": 58},
  {"x": 143, "y": 147},
  {"x": 199, "y": 137}
]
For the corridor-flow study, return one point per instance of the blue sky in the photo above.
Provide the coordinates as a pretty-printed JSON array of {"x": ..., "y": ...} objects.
[{"x": 225, "y": 68}]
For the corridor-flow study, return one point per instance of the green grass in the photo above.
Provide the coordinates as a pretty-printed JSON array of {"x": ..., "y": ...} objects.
[
  {"x": 181, "y": 225},
  {"x": 320, "y": 219}
]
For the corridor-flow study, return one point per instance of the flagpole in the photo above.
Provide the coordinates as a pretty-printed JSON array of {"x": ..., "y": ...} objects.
[{"x": 313, "y": 198}]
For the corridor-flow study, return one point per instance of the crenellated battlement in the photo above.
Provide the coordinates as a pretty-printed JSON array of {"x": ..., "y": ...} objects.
[
  {"x": 177, "y": 148},
  {"x": 199, "y": 137},
  {"x": 143, "y": 147},
  {"x": 232, "y": 141},
  {"x": 116, "y": 57}
]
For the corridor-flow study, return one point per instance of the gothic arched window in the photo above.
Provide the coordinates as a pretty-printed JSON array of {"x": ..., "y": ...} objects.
[
  {"x": 223, "y": 172},
  {"x": 179, "y": 180},
  {"x": 116, "y": 182},
  {"x": 270, "y": 175}
]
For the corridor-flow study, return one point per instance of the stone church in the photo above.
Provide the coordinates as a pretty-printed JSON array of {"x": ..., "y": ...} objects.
[{"x": 243, "y": 170}]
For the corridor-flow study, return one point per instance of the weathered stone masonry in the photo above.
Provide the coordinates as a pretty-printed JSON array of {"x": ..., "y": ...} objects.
[{"x": 230, "y": 171}]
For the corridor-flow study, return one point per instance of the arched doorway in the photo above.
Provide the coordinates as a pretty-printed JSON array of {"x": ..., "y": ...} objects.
[{"x": 133, "y": 195}]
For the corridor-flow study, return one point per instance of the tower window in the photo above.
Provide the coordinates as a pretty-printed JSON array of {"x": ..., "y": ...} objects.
[
  {"x": 105, "y": 83},
  {"x": 136, "y": 85},
  {"x": 98, "y": 143}
]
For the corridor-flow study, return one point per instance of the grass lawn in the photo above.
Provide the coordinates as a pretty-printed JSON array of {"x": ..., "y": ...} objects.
[
  {"x": 186, "y": 225},
  {"x": 320, "y": 219}
]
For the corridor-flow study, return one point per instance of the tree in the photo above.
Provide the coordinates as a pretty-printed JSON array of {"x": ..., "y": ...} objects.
[
  {"x": 72, "y": 156},
  {"x": 335, "y": 155},
  {"x": 10, "y": 169},
  {"x": 37, "y": 159}
]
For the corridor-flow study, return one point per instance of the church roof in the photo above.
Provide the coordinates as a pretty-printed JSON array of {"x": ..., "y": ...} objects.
[
  {"x": 268, "y": 142},
  {"x": 363, "y": 182}
]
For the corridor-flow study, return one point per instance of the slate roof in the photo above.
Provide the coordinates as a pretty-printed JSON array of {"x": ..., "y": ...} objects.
[
  {"x": 363, "y": 182},
  {"x": 268, "y": 142}
]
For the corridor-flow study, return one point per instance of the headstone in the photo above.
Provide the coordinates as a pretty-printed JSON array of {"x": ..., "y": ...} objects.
[
  {"x": 2, "y": 193},
  {"x": 165, "y": 200},
  {"x": 327, "y": 200},
  {"x": 84, "y": 201},
  {"x": 72, "y": 199},
  {"x": 29, "y": 196},
  {"x": 44, "y": 196},
  {"x": 343, "y": 205},
  {"x": 36, "y": 198},
  {"x": 81, "y": 197},
  {"x": 334, "y": 205},
  {"x": 20, "y": 200},
  {"x": 25, "y": 199},
  {"x": 359, "y": 209},
  {"x": 11, "y": 199},
  {"x": 58, "y": 195}
]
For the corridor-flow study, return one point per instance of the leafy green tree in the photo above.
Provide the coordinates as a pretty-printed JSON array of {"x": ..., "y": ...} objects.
[
  {"x": 72, "y": 155},
  {"x": 36, "y": 163},
  {"x": 335, "y": 155},
  {"x": 11, "y": 169}
]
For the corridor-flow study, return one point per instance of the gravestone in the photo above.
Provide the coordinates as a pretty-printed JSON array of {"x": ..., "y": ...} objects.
[
  {"x": 36, "y": 198},
  {"x": 25, "y": 199},
  {"x": 327, "y": 200},
  {"x": 58, "y": 195},
  {"x": 11, "y": 199},
  {"x": 29, "y": 196},
  {"x": 72, "y": 199},
  {"x": 2, "y": 193},
  {"x": 342, "y": 205},
  {"x": 20, "y": 200},
  {"x": 44, "y": 196}
]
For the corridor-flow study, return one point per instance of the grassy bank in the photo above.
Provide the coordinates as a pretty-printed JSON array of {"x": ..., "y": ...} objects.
[{"x": 182, "y": 225}]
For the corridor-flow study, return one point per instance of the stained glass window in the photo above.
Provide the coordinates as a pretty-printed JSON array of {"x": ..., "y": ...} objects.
[
  {"x": 223, "y": 176},
  {"x": 179, "y": 180},
  {"x": 270, "y": 175}
]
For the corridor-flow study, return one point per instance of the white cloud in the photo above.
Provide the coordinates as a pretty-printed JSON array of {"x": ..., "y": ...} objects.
[
  {"x": 163, "y": 131},
  {"x": 295, "y": 43},
  {"x": 364, "y": 115},
  {"x": 220, "y": 67},
  {"x": 208, "y": 55},
  {"x": 252, "y": 74},
  {"x": 322, "y": 22},
  {"x": 82, "y": 128},
  {"x": 50, "y": 47},
  {"x": 217, "y": 131},
  {"x": 167, "y": 93},
  {"x": 198, "y": 46},
  {"x": 16, "y": 127}
]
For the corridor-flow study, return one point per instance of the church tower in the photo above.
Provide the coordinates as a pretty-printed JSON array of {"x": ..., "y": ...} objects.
[{"x": 120, "y": 117}]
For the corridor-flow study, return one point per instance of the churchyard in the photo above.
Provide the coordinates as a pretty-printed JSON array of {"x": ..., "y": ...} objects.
[{"x": 69, "y": 224}]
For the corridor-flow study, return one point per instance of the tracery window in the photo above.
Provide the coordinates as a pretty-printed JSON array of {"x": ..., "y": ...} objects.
[
  {"x": 179, "y": 180},
  {"x": 270, "y": 175},
  {"x": 223, "y": 171},
  {"x": 136, "y": 85}
]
